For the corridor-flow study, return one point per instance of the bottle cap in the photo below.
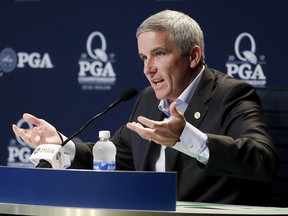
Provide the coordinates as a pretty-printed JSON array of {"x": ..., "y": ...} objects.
[{"x": 104, "y": 134}]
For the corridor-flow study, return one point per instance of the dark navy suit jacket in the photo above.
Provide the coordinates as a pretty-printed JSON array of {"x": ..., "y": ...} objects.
[{"x": 242, "y": 158}]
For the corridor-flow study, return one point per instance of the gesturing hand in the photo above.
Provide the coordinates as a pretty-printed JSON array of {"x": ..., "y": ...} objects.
[
  {"x": 42, "y": 133},
  {"x": 166, "y": 132}
]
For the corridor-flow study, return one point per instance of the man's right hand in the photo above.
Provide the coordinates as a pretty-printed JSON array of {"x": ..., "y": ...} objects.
[{"x": 42, "y": 133}]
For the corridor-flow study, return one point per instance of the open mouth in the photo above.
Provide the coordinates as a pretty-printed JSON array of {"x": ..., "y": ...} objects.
[{"x": 157, "y": 82}]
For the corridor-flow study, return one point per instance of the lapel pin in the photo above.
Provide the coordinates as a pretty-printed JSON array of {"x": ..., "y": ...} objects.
[{"x": 197, "y": 115}]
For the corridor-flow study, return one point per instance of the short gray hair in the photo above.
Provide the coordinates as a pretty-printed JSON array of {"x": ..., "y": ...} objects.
[{"x": 183, "y": 30}]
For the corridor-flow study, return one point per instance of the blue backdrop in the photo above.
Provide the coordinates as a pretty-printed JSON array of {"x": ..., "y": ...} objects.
[{"x": 66, "y": 60}]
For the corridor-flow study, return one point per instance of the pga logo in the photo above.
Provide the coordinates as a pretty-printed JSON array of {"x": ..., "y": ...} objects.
[
  {"x": 34, "y": 60},
  {"x": 9, "y": 60},
  {"x": 248, "y": 66},
  {"x": 98, "y": 65},
  {"x": 19, "y": 151}
]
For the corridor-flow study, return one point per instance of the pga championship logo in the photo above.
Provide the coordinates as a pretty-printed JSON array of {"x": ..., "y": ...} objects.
[
  {"x": 246, "y": 65},
  {"x": 19, "y": 151},
  {"x": 95, "y": 67},
  {"x": 9, "y": 60}
]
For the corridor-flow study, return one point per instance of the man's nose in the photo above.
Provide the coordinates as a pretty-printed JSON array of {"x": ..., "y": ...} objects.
[{"x": 149, "y": 67}]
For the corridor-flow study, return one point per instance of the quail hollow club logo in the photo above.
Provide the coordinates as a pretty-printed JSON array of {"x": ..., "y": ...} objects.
[
  {"x": 246, "y": 65},
  {"x": 10, "y": 59},
  {"x": 95, "y": 67}
]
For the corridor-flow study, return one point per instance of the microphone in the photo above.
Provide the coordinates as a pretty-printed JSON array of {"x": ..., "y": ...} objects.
[
  {"x": 128, "y": 94},
  {"x": 52, "y": 155}
]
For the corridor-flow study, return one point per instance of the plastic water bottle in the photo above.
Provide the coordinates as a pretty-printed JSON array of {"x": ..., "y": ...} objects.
[{"x": 104, "y": 152}]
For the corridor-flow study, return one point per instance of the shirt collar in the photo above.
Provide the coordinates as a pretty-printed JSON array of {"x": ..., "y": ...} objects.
[{"x": 183, "y": 100}]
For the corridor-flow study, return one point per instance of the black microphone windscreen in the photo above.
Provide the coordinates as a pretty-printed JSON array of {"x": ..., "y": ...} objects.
[{"x": 128, "y": 94}]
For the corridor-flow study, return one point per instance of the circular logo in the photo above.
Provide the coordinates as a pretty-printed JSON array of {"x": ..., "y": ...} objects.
[{"x": 8, "y": 60}]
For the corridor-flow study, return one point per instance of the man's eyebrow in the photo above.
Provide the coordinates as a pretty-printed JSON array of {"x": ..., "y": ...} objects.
[
  {"x": 155, "y": 50},
  {"x": 159, "y": 49}
]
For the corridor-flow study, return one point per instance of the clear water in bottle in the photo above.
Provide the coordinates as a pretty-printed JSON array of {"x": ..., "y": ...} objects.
[{"x": 104, "y": 152}]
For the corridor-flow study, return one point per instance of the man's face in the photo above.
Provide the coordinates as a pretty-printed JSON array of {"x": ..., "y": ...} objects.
[{"x": 168, "y": 71}]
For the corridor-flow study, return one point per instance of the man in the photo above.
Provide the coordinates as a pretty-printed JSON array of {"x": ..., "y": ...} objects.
[{"x": 194, "y": 120}]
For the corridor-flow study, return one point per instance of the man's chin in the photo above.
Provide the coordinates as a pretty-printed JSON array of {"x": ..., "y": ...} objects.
[{"x": 160, "y": 95}]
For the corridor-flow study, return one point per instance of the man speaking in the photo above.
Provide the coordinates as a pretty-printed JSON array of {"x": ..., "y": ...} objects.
[{"x": 197, "y": 121}]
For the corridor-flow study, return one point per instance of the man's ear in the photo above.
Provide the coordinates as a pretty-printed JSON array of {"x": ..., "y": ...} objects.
[{"x": 195, "y": 56}]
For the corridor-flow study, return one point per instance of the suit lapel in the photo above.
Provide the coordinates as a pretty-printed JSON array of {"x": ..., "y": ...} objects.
[{"x": 197, "y": 108}]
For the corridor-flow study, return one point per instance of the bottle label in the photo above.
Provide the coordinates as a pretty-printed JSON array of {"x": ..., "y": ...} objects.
[{"x": 102, "y": 165}]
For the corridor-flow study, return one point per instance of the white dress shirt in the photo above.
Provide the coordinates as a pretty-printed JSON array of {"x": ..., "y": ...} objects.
[{"x": 193, "y": 142}]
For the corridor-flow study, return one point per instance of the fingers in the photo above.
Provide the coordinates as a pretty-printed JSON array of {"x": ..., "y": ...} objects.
[
  {"x": 145, "y": 133},
  {"x": 137, "y": 127},
  {"x": 29, "y": 118},
  {"x": 151, "y": 134},
  {"x": 147, "y": 122},
  {"x": 21, "y": 133},
  {"x": 166, "y": 132},
  {"x": 16, "y": 130},
  {"x": 32, "y": 119},
  {"x": 29, "y": 135},
  {"x": 133, "y": 126}
]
